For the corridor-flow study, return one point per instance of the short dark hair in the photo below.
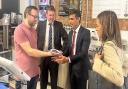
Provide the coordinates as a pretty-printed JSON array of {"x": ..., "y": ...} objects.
[
  {"x": 75, "y": 12},
  {"x": 50, "y": 8},
  {"x": 28, "y": 10}
]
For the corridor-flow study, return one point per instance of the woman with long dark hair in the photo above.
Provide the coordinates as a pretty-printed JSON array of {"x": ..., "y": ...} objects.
[{"x": 107, "y": 64}]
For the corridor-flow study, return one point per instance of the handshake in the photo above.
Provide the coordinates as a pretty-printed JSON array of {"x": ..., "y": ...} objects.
[{"x": 58, "y": 57}]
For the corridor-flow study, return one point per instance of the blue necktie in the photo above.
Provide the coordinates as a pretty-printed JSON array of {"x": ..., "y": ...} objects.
[{"x": 50, "y": 37}]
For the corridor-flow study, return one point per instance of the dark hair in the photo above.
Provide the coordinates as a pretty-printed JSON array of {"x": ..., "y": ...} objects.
[
  {"x": 110, "y": 27},
  {"x": 29, "y": 9},
  {"x": 50, "y": 8},
  {"x": 75, "y": 12}
]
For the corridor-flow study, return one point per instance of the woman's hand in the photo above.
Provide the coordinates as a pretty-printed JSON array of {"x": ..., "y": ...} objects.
[{"x": 98, "y": 56}]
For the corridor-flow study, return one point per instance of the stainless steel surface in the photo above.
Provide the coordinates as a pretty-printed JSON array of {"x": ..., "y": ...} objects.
[{"x": 5, "y": 37}]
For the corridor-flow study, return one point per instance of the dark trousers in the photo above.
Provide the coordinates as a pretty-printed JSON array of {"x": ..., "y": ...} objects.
[
  {"x": 125, "y": 86},
  {"x": 48, "y": 65},
  {"x": 30, "y": 84},
  {"x": 78, "y": 82}
]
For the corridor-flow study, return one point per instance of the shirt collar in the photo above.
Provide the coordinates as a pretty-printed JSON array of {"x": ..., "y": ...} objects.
[
  {"x": 23, "y": 23},
  {"x": 49, "y": 23},
  {"x": 77, "y": 29}
]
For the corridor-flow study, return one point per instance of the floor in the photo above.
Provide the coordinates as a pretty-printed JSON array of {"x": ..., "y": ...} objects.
[
  {"x": 12, "y": 83},
  {"x": 38, "y": 86}
]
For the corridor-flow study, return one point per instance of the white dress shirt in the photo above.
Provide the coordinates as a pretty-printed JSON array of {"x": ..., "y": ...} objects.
[
  {"x": 76, "y": 30},
  {"x": 47, "y": 36}
]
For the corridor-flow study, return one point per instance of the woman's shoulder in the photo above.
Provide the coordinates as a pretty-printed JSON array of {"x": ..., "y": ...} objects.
[{"x": 110, "y": 43}]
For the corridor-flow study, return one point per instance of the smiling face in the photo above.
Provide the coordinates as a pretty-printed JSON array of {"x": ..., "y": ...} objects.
[{"x": 50, "y": 16}]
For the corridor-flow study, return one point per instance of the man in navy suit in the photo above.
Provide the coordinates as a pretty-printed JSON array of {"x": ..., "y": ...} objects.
[
  {"x": 77, "y": 52},
  {"x": 50, "y": 35}
]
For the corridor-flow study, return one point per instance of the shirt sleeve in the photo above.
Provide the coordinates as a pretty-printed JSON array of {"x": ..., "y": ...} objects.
[
  {"x": 20, "y": 36},
  {"x": 110, "y": 67}
]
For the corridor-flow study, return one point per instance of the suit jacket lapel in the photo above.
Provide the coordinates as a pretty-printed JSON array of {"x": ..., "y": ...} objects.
[
  {"x": 70, "y": 41},
  {"x": 70, "y": 38},
  {"x": 43, "y": 33},
  {"x": 55, "y": 31},
  {"x": 78, "y": 37}
]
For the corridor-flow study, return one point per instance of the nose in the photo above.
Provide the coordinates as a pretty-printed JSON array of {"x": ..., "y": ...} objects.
[
  {"x": 69, "y": 21},
  {"x": 97, "y": 29},
  {"x": 36, "y": 20}
]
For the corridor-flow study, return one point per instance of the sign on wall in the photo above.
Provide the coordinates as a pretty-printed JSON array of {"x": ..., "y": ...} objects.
[
  {"x": 66, "y": 5},
  {"x": 120, "y": 7},
  {"x": 44, "y": 2},
  {"x": 42, "y": 9}
]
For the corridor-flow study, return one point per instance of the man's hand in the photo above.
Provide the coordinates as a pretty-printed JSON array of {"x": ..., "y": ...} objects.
[
  {"x": 60, "y": 59},
  {"x": 55, "y": 52}
]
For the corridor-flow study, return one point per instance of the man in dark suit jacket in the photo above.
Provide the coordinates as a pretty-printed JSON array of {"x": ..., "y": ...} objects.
[
  {"x": 77, "y": 52},
  {"x": 44, "y": 43}
]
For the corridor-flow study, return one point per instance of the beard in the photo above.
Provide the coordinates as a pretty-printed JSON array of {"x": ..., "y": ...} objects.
[{"x": 32, "y": 24}]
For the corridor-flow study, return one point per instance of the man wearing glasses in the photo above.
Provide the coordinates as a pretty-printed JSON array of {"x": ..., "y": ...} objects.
[{"x": 26, "y": 52}]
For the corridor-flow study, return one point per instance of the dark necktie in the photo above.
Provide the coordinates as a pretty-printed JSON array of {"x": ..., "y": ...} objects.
[
  {"x": 73, "y": 42},
  {"x": 50, "y": 37}
]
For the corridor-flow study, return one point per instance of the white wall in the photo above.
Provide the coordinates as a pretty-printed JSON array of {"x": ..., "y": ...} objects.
[
  {"x": 0, "y": 5},
  {"x": 24, "y": 4}
]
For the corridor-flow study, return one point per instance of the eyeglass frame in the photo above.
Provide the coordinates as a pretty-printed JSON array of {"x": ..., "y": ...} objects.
[{"x": 35, "y": 17}]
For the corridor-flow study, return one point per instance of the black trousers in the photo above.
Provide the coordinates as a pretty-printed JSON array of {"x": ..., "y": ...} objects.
[
  {"x": 30, "y": 84},
  {"x": 77, "y": 81},
  {"x": 125, "y": 86},
  {"x": 47, "y": 65}
]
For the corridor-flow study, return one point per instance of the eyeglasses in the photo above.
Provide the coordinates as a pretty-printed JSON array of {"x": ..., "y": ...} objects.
[{"x": 35, "y": 17}]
